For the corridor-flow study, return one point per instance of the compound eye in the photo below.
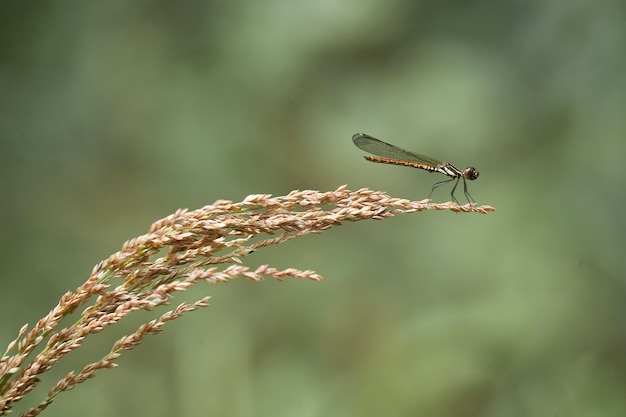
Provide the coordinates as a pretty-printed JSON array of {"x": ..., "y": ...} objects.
[{"x": 470, "y": 173}]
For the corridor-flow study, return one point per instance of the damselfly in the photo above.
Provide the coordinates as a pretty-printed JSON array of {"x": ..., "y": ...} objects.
[{"x": 390, "y": 154}]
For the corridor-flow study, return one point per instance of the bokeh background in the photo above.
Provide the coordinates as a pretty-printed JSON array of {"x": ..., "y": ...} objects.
[{"x": 115, "y": 114}]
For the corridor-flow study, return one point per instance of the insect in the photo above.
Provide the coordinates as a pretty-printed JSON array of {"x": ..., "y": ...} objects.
[{"x": 386, "y": 153}]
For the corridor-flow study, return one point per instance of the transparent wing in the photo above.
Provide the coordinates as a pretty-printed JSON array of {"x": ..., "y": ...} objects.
[{"x": 379, "y": 148}]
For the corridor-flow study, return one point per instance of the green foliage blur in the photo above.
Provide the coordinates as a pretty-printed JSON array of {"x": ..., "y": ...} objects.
[{"x": 114, "y": 114}]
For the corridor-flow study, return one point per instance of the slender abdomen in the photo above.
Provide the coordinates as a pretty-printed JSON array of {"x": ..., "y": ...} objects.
[{"x": 391, "y": 161}]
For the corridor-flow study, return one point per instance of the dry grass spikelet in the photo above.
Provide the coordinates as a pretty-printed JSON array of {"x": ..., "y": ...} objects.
[{"x": 179, "y": 251}]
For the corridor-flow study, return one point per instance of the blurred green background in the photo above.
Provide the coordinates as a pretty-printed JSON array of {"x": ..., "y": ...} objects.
[{"x": 115, "y": 114}]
